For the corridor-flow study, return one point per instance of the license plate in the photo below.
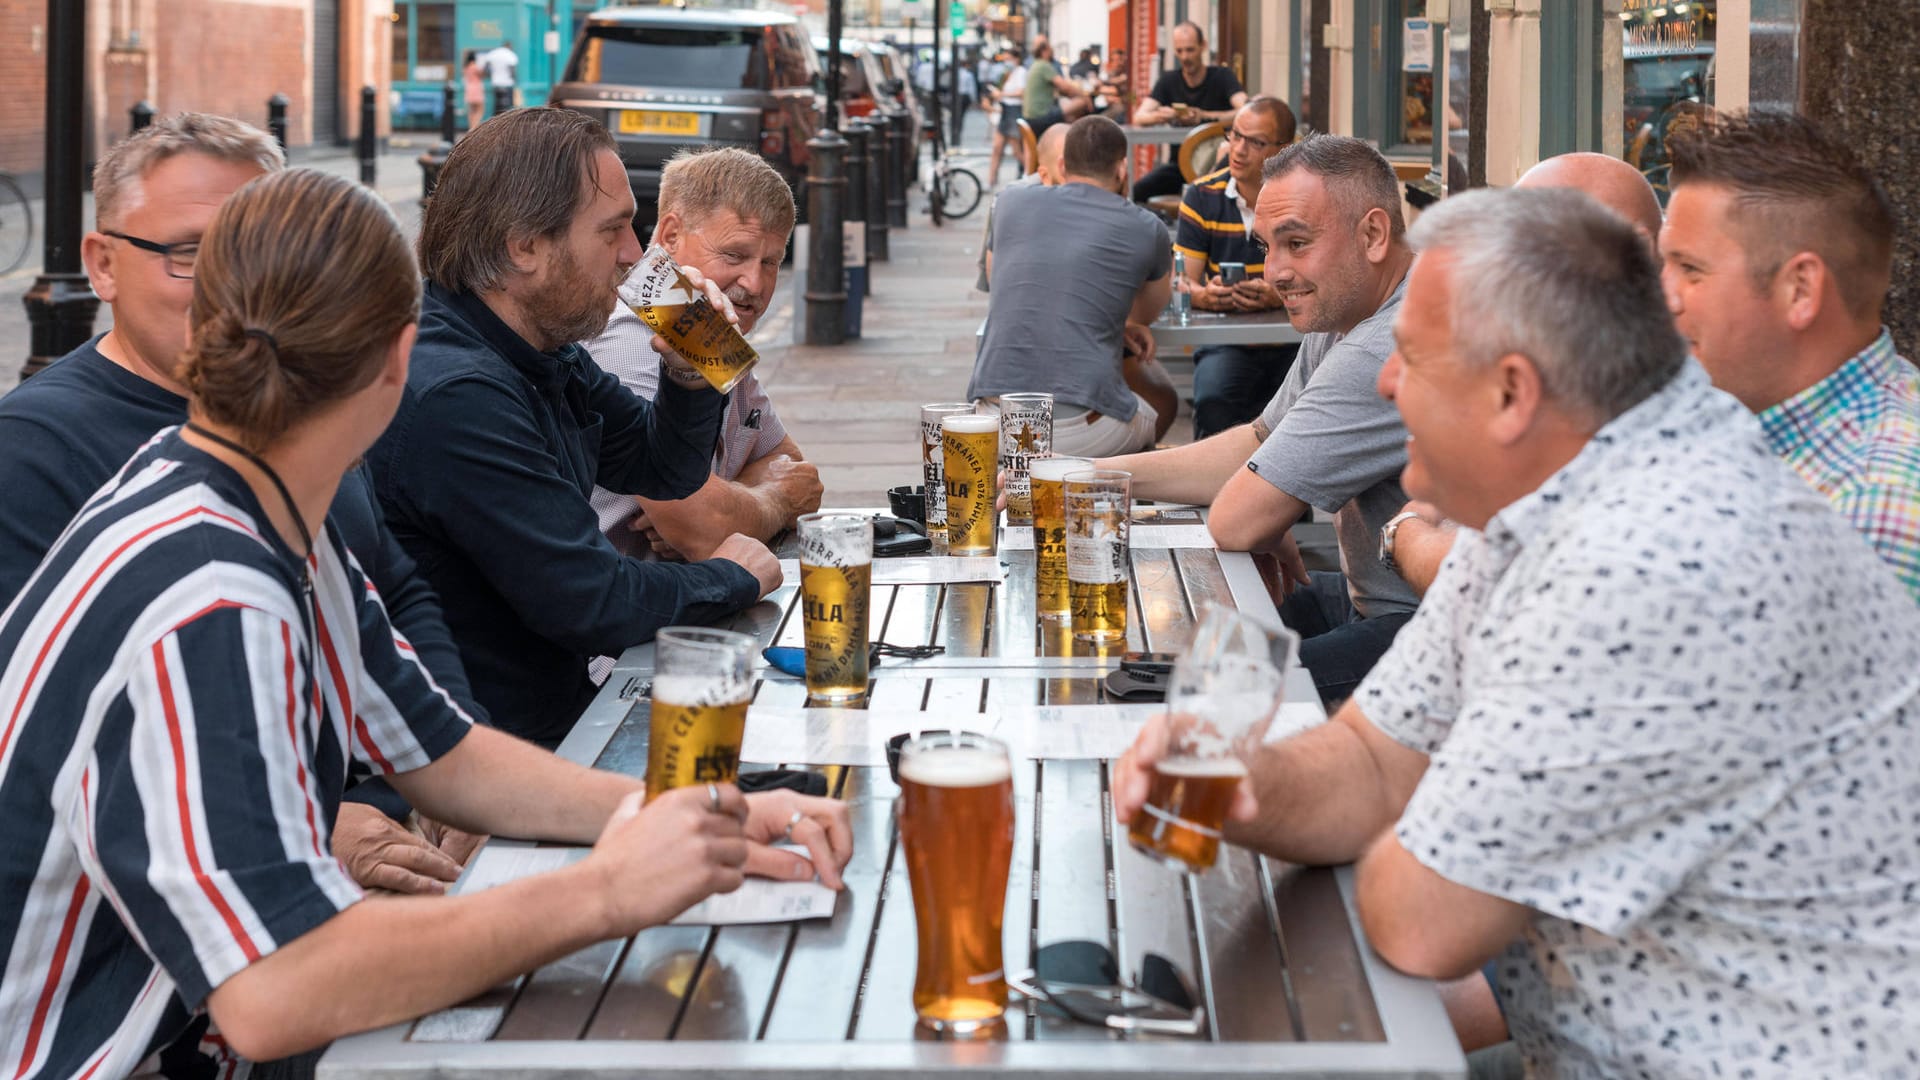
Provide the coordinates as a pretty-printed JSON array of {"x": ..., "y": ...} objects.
[{"x": 647, "y": 122}]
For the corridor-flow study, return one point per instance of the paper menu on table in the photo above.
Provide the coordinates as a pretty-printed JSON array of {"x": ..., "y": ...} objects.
[
  {"x": 757, "y": 900},
  {"x": 920, "y": 570}
]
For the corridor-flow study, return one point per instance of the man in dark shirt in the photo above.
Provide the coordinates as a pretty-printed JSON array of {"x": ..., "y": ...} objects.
[
  {"x": 506, "y": 426},
  {"x": 65, "y": 432},
  {"x": 1232, "y": 382},
  {"x": 1085, "y": 66},
  {"x": 1192, "y": 93}
]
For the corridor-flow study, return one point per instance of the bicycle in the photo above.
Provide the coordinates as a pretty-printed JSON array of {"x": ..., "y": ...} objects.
[
  {"x": 16, "y": 224},
  {"x": 952, "y": 190}
]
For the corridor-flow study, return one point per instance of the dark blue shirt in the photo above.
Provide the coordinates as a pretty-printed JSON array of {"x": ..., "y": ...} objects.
[
  {"x": 67, "y": 431},
  {"x": 485, "y": 474}
]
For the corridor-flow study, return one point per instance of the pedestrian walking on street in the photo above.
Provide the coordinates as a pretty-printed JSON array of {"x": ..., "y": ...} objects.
[
  {"x": 503, "y": 65},
  {"x": 472, "y": 77}
]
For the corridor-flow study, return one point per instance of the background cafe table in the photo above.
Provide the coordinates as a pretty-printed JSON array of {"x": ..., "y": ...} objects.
[
  {"x": 1289, "y": 985},
  {"x": 1222, "y": 328}
]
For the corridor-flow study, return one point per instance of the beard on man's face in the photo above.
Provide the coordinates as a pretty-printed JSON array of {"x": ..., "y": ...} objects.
[{"x": 571, "y": 306}]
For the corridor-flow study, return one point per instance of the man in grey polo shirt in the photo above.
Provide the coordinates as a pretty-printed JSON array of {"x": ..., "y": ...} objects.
[{"x": 1329, "y": 218}]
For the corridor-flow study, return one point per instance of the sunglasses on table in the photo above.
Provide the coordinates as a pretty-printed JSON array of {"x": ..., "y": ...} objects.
[{"x": 1080, "y": 981}]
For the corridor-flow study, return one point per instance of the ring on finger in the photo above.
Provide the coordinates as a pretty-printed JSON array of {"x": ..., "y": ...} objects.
[
  {"x": 796, "y": 819},
  {"x": 713, "y": 798}
]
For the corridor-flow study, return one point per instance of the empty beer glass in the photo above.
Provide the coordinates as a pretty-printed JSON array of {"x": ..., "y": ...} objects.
[
  {"x": 1099, "y": 514},
  {"x": 700, "y": 690},
  {"x": 667, "y": 302},
  {"x": 971, "y": 443},
  {"x": 1026, "y": 435},
  {"x": 1224, "y": 692},
  {"x": 956, "y": 829},
  {"x": 836, "y": 580},
  {"x": 933, "y": 459},
  {"x": 1050, "y": 533}
]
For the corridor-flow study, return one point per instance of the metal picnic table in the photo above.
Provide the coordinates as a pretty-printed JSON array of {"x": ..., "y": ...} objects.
[
  {"x": 1275, "y": 950},
  {"x": 1225, "y": 328}
]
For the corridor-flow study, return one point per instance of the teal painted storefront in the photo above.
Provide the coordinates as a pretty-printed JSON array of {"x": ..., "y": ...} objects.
[{"x": 431, "y": 39}]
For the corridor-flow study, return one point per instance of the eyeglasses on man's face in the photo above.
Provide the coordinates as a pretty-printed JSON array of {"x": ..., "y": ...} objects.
[
  {"x": 179, "y": 257},
  {"x": 1260, "y": 146}
]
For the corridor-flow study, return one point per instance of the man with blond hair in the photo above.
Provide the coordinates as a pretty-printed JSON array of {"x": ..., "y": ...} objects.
[
  {"x": 727, "y": 214},
  {"x": 65, "y": 432}
]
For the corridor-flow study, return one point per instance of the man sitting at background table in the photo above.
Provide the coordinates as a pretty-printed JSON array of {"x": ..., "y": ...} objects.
[
  {"x": 1232, "y": 382},
  {"x": 1071, "y": 266},
  {"x": 1190, "y": 93},
  {"x": 1651, "y": 739},
  {"x": 1046, "y": 172},
  {"x": 1049, "y": 97},
  {"x": 726, "y": 213},
  {"x": 1336, "y": 251}
]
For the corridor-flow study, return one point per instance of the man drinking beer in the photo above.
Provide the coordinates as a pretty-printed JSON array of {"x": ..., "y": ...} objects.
[{"x": 506, "y": 425}]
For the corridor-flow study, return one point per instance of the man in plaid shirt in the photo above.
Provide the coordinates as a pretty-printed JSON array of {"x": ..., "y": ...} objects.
[{"x": 1778, "y": 251}]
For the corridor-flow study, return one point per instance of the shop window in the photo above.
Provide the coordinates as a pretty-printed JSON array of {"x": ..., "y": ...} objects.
[
  {"x": 401, "y": 41},
  {"x": 434, "y": 58},
  {"x": 1667, "y": 80}
]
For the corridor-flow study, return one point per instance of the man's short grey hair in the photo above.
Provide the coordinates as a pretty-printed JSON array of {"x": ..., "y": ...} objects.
[
  {"x": 116, "y": 180},
  {"x": 1354, "y": 173},
  {"x": 1552, "y": 275},
  {"x": 697, "y": 183}
]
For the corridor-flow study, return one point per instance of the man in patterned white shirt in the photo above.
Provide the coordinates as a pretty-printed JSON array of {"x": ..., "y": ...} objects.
[
  {"x": 1779, "y": 252},
  {"x": 1651, "y": 738},
  {"x": 727, "y": 214}
]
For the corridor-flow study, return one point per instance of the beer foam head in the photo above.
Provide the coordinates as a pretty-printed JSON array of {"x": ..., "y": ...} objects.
[
  {"x": 838, "y": 540},
  {"x": 1055, "y": 469},
  {"x": 971, "y": 424},
  {"x": 700, "y": 689},
  {"x": 1201, "y": 768},
  {"x": 955, "y": 766}
]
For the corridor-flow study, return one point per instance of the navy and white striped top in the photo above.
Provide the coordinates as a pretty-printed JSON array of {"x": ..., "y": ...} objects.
[{"x": 169, "y": 764}]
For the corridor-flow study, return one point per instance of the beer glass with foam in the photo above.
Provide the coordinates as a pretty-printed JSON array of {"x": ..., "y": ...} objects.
[
  {"x": 956, "y": 828},
  {"x": 933, "y": 465},
  {"x": 1050, "y": 533},
  {"x": 1099, "y": 514},
  {"x": 1224, "y": 692},
  {"x": 668, "y": 303},
  {"x": 1026, "y": 436},
  {"x": 836, "y": 581},
  {"x": 972, "y": 444},
  {"x": 701, "y": 686}
]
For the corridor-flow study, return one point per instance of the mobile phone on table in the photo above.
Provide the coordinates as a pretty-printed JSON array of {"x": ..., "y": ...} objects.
[{"x": 1148, "y": 663}]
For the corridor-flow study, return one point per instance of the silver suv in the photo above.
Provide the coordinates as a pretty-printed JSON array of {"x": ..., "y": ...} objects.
[{"x": 662, "y": 78}]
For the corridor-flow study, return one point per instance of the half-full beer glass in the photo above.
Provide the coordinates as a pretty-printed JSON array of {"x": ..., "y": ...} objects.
[
  {"x": 956, "y": 827},
  {"x": 1099, "y": 513},
  {"x": 972, "y": 444},
  {"x": 1026, "y": 435},
  {"x": 933, "y": 464},
  {"x": 836, "y": 580},
  {"x": 700, "y": 694},
  {"x": 667, "y": 302},
  {"x": 1224, "y": 692},
  {"x": 1050, "y": 533}
]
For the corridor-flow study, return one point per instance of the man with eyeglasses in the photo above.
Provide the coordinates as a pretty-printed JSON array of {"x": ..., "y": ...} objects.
[
  {"x": 1232, "y": 382},
  {"x": 65, "y": 432}
]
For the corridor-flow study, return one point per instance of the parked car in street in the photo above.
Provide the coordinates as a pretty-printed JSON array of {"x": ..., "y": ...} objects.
[{"x": 662, "y": 78}]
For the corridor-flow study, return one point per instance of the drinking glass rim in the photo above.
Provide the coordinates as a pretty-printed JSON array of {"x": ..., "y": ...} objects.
[
  {"x": 1097, "y": 476},
  {"x": 828, "y": 518},
  {"x": 951, "y": 739},
  {"x": 707, "y": 637}
]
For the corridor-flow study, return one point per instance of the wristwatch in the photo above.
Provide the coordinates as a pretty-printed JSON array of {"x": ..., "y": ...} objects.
[{"x": 1387, "y": 533}]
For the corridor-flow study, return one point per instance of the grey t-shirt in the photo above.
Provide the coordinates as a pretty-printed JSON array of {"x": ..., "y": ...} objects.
[
  {"x": 1067, "y": 262},
  {"x": 1334, "y": 443}
]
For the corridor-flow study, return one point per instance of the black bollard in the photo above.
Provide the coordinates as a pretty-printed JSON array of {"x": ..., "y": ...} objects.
[
  {"x": 877, "y": 167},
  {"x": 826, "y": 252},
  {"x": 61, "y": 304},
  {"x": 277, "y": 119},
  {"x": 142, "y": 115},
  {"x": 368, "y": 155},
  {"x": 856, "y": 170},
  {"x": 431, "y": 160},
  {"x": 900, "y": 149}
]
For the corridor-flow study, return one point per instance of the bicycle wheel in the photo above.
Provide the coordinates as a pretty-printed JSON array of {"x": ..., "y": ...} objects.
[
  {"x": 16, "y": 225},
  {"x": 960, "y": 193},
  {"x": 936, "y": 194}
]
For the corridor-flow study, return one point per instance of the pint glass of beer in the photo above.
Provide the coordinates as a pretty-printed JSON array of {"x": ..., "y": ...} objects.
[
  {"x": 956, "y": 828},
  {"x": 1026, "y": 435},
  {"x": 667, "y": 302},
  {"x": 933, "y": 464},
  {"x": 700, "y": 690},
  {"x": 1224, "y": 692},
  {"x": 972, "y": 444},
  {"x": 836, "y": 579},
  {"x": 1050, "y": 533},
  {"x": 1099, "y": 513}
]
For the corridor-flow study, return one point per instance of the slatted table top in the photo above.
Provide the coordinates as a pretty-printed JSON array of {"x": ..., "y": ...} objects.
[{"x": 1288, "y": 984}]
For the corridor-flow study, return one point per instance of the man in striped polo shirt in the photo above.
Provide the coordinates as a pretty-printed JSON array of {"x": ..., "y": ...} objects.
[{"x": 1232, "y": 382}]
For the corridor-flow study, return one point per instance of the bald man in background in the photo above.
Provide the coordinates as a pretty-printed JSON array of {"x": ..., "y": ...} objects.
[
  {"x": 1046, "y": 171},
  {"x": 1416, "y": 540}
]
